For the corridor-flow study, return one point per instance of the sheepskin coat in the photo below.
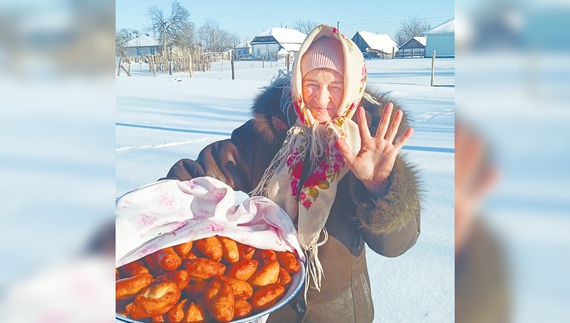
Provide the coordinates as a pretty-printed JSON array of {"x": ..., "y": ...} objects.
[{"x": 389, "y": 224}]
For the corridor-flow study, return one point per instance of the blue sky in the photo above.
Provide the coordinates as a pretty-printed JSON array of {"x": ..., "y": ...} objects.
[{"x": 248, "y": 18}]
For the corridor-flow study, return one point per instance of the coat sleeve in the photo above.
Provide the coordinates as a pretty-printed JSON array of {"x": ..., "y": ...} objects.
[
  {"x": 390, "y": 223},
  {"x": 230, "y": 161}
]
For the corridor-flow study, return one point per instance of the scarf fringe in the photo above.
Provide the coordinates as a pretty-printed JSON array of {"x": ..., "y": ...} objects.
[
  {"x": 261, "y": 188},
  {"x": 314, "y": 269},
  {"x": 318, "y": 144}
]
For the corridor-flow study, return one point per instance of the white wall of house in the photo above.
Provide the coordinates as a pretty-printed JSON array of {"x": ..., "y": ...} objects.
[
  {"x": 141, "y": 51},
  {"x": 270, "y": 51}
]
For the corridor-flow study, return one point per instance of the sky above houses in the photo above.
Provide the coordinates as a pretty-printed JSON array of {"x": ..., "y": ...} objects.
[{"x": 247, "y": 19}]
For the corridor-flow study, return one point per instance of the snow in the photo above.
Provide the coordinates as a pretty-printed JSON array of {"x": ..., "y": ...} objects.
[
  {"x": 381, "y": 42},
  {"x": 142, "y": 41},
  {"x": 245, "y": 44},
  {"x": 160, "y": 120},
  {"x": 447, "y": 27},
  {"x": 284, "y": 35}
]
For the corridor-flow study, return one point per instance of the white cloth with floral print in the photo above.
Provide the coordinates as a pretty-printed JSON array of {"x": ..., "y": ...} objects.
[{"x": 170, "y": 212}]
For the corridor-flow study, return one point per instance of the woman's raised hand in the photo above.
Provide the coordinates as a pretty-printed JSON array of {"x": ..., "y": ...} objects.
[{"x": 374, "y": 161}]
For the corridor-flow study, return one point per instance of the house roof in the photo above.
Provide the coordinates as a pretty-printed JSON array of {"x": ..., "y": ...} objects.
[
  {"x": 143, "y": 40},
  {"x": 245, "y": 44},
  {"x": 447, "y": 27},
  {"x": 381, "y": 42},
  {"x": 421, "y": 40},
  {"x": 290, "y": 39},
  {"x": 412, "y": 42}
]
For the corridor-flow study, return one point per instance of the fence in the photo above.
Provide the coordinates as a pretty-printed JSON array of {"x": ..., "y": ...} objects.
[{"x": 414, "y": 71}]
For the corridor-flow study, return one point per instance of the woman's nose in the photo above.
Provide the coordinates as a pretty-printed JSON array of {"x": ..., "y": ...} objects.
[{"x": 323, "y": 98}]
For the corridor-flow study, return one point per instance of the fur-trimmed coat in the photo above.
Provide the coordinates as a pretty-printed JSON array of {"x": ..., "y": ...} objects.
[{"x": 389, "y": 225}]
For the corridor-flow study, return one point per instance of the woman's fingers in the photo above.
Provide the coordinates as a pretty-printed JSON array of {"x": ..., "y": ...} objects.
[
  {"x": 394, "y": 126},
  {"x": 384, "y": 121},
  {"x": 363, "y": 124},
  {"x": 402, "y": 141}
]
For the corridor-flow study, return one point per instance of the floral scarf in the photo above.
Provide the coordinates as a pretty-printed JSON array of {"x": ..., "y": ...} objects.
[{"x": 311, "y": 201}]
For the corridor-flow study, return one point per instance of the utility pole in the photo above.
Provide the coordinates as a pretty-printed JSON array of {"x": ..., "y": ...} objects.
[{"x": 338, "y": 25}]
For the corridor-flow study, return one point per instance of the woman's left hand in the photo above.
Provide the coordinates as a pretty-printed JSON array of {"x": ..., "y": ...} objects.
[{"x": 375, "y": 160}]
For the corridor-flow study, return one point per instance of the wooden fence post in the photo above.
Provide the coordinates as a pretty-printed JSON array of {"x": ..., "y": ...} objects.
[
  {"x": 432, "y": 67},
  {"x": 232, "y": 61},
  {"x": 119, "y": 66},
  {"x": 190, "y": 65}
]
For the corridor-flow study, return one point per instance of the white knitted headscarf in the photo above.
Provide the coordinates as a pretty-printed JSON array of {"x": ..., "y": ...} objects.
[{"x": 311, "y": 201}]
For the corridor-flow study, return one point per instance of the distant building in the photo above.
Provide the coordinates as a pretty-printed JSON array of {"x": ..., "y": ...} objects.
[
  {"x": 268, "y": 44},
  {"x": 441, "y": 38},
  {"x": 415, "y": 47},
  {"x": 242, "y": 51},
  {"x": 375, "y": 45},
  {"x": 142, "y": 46}
]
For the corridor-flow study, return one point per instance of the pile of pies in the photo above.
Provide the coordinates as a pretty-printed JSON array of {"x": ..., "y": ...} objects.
[{"x": 214, "y": 279}]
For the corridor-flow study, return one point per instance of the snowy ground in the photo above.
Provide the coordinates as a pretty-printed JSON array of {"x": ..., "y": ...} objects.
[{"x": 160, "y": 120}]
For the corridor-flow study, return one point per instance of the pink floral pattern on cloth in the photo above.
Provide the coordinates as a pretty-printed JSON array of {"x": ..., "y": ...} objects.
[{"x": 200, "y": 208}]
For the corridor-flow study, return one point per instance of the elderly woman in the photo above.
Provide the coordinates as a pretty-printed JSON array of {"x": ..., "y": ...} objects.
[{"x": 342, "y": 186}]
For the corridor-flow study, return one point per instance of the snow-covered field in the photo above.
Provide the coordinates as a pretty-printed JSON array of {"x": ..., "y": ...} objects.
[{"x": 160, "y": 120}]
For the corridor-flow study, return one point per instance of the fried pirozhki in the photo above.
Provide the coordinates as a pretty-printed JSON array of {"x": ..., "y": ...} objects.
[
  {"x": 195, "y": 288},
  {"x": 203, "y": 268},
  {"x": 183, "y": 248},
  {"x": 190, "y": 255},
  {"x": 133, "y": 268},
  {"x": 230, "y": 249},
  {"x": 267, "y": 275},
  {"x": 167, "y": 259},
  {"x": 176, "y": 313},
  {"x": 129, "y": 287},
  {"x": 267, "y": 296},
  {"x": 242, "y": 308},
  {"x": 284, "y": 277},
  {"x": 264, "y": 256},
  {"x": 242, "y": 269},
  {"x": 211, "y": 247},
  {"x": 195, "y": 313},
  {"x": 152, "y": 266},
  {"x": 154, "y": 300},
  {"x": 219, "y": 300},
  {"x": 289, "y": 261},
  {"x": 180, "y": 277},
  {"x": 245, "y": 251},
  {"x": 240, "y": 288}
]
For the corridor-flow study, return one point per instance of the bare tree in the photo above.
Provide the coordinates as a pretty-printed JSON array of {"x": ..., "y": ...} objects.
[
  {"x": 305, "y": 26},
  {"x": 122, "y": 37},
  {"x": 170, "y": 30},
  {"x": 215, "y": 39},
  {"x": 412, "y": 27}
]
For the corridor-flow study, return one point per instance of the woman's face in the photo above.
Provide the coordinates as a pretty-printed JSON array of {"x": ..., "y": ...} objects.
[{"x": 323, "y": 91}]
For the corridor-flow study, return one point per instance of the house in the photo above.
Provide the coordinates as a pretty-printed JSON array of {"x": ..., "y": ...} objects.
[
  {"x": 142, "y": 46},
  {"x": 376, "y": 45},
  {"x": 415, "y": 47},
  {"x": 267, "y": 44},
  {"x": 242, "y": 51},
  {"x": 441, "y": 39}
]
